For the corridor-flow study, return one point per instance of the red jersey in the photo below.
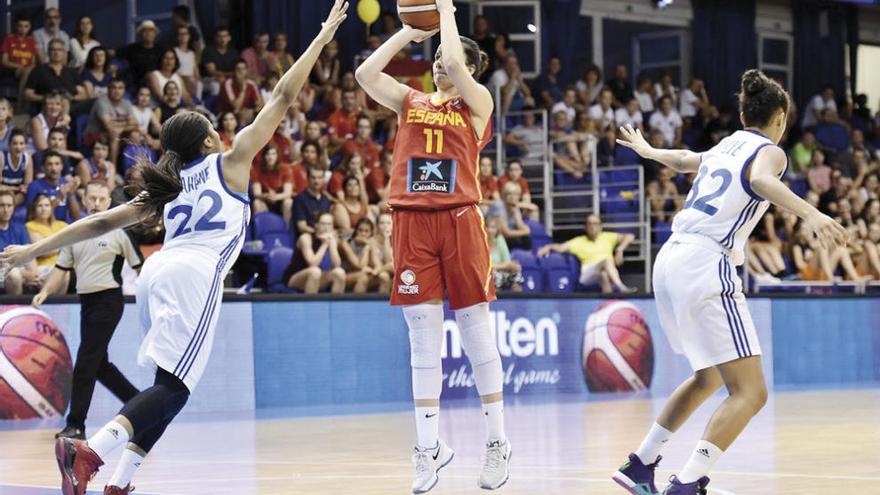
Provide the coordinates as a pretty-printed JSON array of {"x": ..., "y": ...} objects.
[
  {"x": 341, "y": 124},
  {"x": 22, "y": 50},
  {"x": 272, "y": 179},
  {"x": 368, "y": 150},
  {"x": 488, "y": 185},
  {"x": 300, "y": 177},
  {"x": 436, "y": 155}
]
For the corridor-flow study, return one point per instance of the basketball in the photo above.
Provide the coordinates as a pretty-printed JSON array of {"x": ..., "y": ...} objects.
[
  {"x": 35, "y": 365},
  {"x": 618, "y": 354},
  {"x": 420, "y": 14}
]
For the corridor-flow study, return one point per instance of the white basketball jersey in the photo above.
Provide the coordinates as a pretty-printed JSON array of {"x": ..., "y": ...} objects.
[
  {"x": 721, "y": 205},
  {"x": 206, "y": 219}
]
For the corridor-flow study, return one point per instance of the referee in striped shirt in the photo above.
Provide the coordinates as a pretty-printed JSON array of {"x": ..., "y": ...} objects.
[{"x": 98, "y": 267}]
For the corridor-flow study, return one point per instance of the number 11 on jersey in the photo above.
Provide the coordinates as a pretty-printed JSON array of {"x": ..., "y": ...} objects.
[{"x": 430, "y": 136}]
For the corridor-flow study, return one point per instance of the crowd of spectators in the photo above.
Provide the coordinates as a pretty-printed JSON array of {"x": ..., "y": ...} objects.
[{"x": 85, "y": 111}]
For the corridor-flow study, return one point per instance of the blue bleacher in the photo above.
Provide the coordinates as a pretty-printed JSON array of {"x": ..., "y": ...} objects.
[
  {"x": 625, "y": 156},
  {"x": 538, "y": 234},
  {"x": 533, "y": 276},
  {"x": 278, "y": 260},
  {"x": 557, "y": 273}
]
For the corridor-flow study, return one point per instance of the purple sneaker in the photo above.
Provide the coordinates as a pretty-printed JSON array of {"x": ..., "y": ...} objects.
[
  {"x": 678, "y": 488},
  {"x": 636, "y": 477}
]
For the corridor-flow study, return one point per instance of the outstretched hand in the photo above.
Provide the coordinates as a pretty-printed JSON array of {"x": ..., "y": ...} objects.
[
  {"x": 15, "y": 256},
  {"x": 634, "y": 140},
  {"x": 828, "y": 232},
  {"x": 334, "y": 20}
]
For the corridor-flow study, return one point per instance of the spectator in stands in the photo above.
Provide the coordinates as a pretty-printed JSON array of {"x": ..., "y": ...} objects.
[
  {"x": 181, "y": 18},
  {"x": 350, "y": 165},
  {"x": 646, "y": 94},
  {"x": 272, "y": 183},
  {"x": 17, "y": 167},
  {"x": 310, "y": 157},
  {"x": 567, "y": 105},
  {"x": 527, "y": 138},
  {"x": 316, "y": 263},
  {"x": 240, "y": 95},
  {"x": 819, "y": 174},
  {"x": 187, "y": 68},
  {"x": 719, "y": 125},
  {"x": 41, "y": 224},
  {"x": 135, "y": 145},
  {"x": 857, "y": 142},
  {"x": 268, "y": 85},
  {"x": 342, "y": 124},
  {"x": 549, "y": 87},
  {"x": 19, "y": 51},
  {"x": 52, "y": 116},
  {"x": 602, "y": 112},
  {"x": 362, "y": 143},
  {"x": 50, "y": 31},
  {"x": 664, "y": 87},
  {"x": 514, "y": 173},
  {"x": 566, "y": 152},
  {"x": 58, "y": 144},
  {"x": 6, "y": 127},
  {"x": 668, "y": 122},
  {"x": 311, "y": 202},
  {"x": 54, "y": 76},
  {"x": 167, "y": 72},
  {"x": 282, "y": 59},
  {"x": 867, "y": 256},
  {"x": 589, "y": 86},
  {"x": 59, "y": 188},
  {"x": 13, "y": 280},
  {"x": 664, "y": 197},
  {"x": 172, "y": 103},
  {"x": 377, "y": 181},
  {"x": 515, "y": 93},
  {"x": 815, "y": 262},
  {"x": 96, "y": 77},
  {"x": 630, "y": 114},
  {"x": 98, "y": 167},
  {"x": 111, "y": 116},
  {"x": 694, "y": 99},
  {"x": 514, "y": 229},
  {"x": 802, "y": 154},
  {"x": 228, "y": 129},
  {"x": 620, "y": 87},
  {"x": 382, "y": 245},
  {"x": 147, "y": 117},
  {"x": 361, "y": 262},
  {"x": 258, "y": 58},
  {"x": 82, "y": 42},
  {"x": 353, "y": 206},
  {"x": 325, "y": 75},
  {"x": 600, "y": 253},
  {"x": 506, "y": 272},
  {"x": 818, "y": 104},
  {"x": 488, "y": 43},
  {"x": 219, "y": 60},
  {"x": 489, "y": 187},
  {"x": 145, "y": 55}
]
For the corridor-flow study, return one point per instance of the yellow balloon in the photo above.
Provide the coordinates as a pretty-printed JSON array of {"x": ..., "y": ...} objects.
[{"x": 369, "y": 10}]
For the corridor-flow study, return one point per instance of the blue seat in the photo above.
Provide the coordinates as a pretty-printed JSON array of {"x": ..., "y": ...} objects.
[
  {"x": 662, "y": 232},
  {"x": 279, "y": 258},
  {"x": 274, "y": 240},
  {"x": 267, "y": 222},
  {"x": 557, "y": 273},
  {"x": 533, "y": 276},
  {"x": 538, "y": 234},
  {"x": 625, "y": 156},
  {"x": 562, "y": 178},
  {"x": 834, "y": 136}
]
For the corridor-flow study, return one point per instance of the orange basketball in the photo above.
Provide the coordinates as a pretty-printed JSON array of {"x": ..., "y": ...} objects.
[
  {"x": 420, "y": 14},
  {"x": 35, "y": 365}
]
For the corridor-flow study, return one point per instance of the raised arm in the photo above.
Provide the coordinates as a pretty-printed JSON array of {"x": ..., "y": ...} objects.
[
  {"x": 90, "y": 227},
  {"x": 678, "y": 160},
  {"x": 380, "y": 86},
  {"x": 477, "y": 96},
  {"x": 237, "y": 161},
  {"x": 763, "y": 177}
]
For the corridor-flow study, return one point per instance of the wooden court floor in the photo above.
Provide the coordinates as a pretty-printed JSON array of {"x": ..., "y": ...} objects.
[{"x": 802, "y": 443}]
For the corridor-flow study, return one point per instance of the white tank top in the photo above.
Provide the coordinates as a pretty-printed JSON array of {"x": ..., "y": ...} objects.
[
  {"x": 207, "y": 218},
  {"x": 721, "y": 205}
]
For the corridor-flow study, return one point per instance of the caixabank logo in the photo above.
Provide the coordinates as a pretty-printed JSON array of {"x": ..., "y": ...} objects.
[{"x": 618, "y": 353}]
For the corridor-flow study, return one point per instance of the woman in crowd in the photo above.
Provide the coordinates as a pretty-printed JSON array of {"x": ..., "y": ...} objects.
[
  {"x": 82, "y": 41},
  {"x": 353, "y": 206},
  {"x": 316, "y": 264},
  {"x": 186, "y": 57},
  {"x": 98, "y": 166},
  {"x": 96, "y": 74},
  {"x": 158, "y": 79},
  {"x": 228, "y": 128},
  {"x": 272, "y": 183},
  {"x": 361, "y": 261},
  {"x": 51, "y": 117},
  {"x": 41, "y": 224}
]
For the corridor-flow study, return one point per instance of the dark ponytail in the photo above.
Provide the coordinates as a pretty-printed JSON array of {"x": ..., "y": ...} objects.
[
  {"x": 474, "y": 56},
  {"x": 157, "y": 184},
  {"x": 760, "y": 98}
]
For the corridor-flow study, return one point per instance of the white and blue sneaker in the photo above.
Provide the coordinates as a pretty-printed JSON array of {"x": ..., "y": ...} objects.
[
  {"x": 496, "y": 465},
  {"x": 428, "y": 462}
]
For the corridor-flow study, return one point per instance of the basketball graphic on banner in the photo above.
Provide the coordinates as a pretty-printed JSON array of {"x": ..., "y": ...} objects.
[
  {"x": 618, "y": 354},
  {"x": 35, "y": 365}
]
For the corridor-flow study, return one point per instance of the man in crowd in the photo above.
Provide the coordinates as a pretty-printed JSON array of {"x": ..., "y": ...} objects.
[
  {"x": 60, "y": 189},
  {"x": 15, "y": 279},
  {"x": 19, "y": 51},
  {"x": 240, "y": 95},
  {"x": 218, "y": 60},
  {"x": 308, "y": 205},
  {"x": 55, "y": 77},
  {"x": 111, "y": 115},
  {"x": 145, "y": 55},
  {"x": 51, "y": 30}
]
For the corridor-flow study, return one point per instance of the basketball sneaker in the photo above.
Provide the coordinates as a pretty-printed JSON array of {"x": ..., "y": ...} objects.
[
  {"x": 637, "y": 477},
  {"x": 78, "y": 465},
  {"x": 496, "y": 465},
  {"x": 678, "y": 488},
  {"x": 428, "y": 462},
  {"x": 115, "y": 490},
  {"x": 71, "y": 432}
]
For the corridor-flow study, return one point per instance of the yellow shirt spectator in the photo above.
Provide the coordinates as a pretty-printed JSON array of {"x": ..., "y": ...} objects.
[
  {"x": 42, "y": 231},
  {"x": 588, "y": 251}
]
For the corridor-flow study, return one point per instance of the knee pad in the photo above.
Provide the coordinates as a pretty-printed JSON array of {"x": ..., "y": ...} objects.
[
  {"x": 425, "y": 323},
  {"x": 477, "y": 338}
]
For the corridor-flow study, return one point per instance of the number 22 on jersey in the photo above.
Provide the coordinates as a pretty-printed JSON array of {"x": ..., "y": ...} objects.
[
  {"x": 701, "y": 203},
  {"x": 433, "y": 136},
  {"x": 204, "y": 223}
]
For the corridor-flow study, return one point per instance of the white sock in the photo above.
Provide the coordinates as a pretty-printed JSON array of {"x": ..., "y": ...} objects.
[
  {"x": 428, "y": 426},
  {"x": 128, "y": 465},
  {"x": 653, "y": 444},
  {"x": 494, "y": 415},
  {"x": 701, "y": 462},
  {"x": 109, "y": 437}
]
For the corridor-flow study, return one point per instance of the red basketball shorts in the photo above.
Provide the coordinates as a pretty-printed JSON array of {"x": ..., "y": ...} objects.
[{"x": 442, "y": 252}]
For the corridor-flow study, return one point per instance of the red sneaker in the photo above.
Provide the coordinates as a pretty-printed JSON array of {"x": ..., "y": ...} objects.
[
  {"x": 78, "y": 465},
  {"x": 115, "y": 490}
]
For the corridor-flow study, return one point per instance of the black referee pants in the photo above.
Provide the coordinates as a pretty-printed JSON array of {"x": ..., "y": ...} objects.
[{"x": 99, "y": 315}]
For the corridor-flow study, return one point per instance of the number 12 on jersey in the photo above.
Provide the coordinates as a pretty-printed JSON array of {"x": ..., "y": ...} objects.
[{"x": 432, "y": 135}]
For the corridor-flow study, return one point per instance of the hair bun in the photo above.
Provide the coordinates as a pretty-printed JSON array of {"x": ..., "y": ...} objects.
[{"x": 754, "y": 82}]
